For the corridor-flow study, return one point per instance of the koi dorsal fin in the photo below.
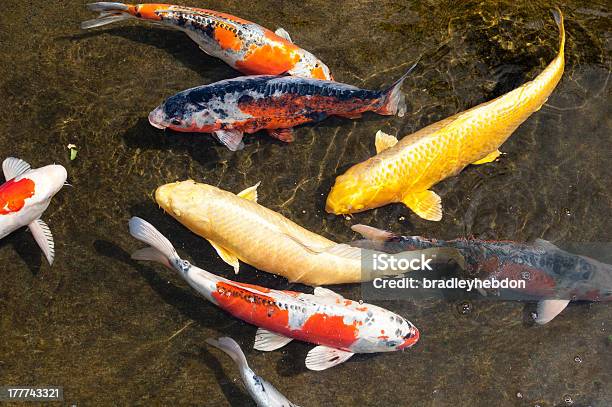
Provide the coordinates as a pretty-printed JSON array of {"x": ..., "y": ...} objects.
[
  {"x": 281, "y": 32},
  {"x": 545, "y": 244},
  {"x": 325, "y": 292},
  {"x": 249, "y": 193},
  {"x": 384, "y": 141}
]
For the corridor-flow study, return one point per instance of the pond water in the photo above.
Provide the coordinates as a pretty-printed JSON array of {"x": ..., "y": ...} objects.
[{"x": 112, "y": 331}]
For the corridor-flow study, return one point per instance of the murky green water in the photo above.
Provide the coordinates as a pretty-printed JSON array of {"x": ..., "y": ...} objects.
[{"x": 116, "y": 332}]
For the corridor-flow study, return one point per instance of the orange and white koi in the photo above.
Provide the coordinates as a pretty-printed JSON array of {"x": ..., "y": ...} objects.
[
  {"x": 244, "y": 45},
  {"x": 405, "y": 171},
  {"x": 340, "y": 327},
  {"x": 24, "y": 197}
]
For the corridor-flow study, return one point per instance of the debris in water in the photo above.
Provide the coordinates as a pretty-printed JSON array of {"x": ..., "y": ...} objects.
[
  {"x": 465, "y": 308},
  {"x": 73, "y": 151}
]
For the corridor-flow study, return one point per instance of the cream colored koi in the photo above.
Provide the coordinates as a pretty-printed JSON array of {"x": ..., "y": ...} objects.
[
  {"x": 241, "y": 229},
  {"x": 405, "y": 171}
]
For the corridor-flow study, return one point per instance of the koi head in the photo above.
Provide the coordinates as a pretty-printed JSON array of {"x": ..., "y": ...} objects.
[
  {"x": 356, "y": 191},
  {"x": 310, "y": 66},
  {"x": 589, "y": 280},
  {"x": 384, "y": 331},
  {"x": 178, "y": 113},
  {"x": 391, "y": 332},
  {"x": 48, "y": 180},
  {"x": 192, "y": 203}
]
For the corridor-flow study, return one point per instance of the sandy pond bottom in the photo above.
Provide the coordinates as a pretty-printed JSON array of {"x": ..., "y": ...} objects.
[{"x": 116, "y": 332}]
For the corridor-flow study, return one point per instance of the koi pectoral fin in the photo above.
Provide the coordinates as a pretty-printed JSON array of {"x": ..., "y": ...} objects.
[
  {"x": 489, "y": 158},
  {"x": 231, "y": 139},
  {"x": 549, "y": 309},
  {"x": 281, "y": 32},
  {"x": 267, "y": 341},
  {"x": 285, "y": 135},
  {"x": 227, "y": 256},
  {"x": 14, "y": 167},
  {"x": 44, "y": 238},
  {"x": 323, "y": 357},
  {"x": 426, "y": 204}
]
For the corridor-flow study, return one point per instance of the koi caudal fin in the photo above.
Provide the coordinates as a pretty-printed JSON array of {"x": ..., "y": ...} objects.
[
  {"x": 229, "y": 346},
  {"x": 394, "y": 101},
  {"x": 109, "y": 13},
  {"x": 160, "y": 250}
]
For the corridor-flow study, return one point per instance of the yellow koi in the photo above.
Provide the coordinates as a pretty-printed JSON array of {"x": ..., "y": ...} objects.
[
  {"x": 241, "y": 229},
  {"x": 405, "y": 171}
]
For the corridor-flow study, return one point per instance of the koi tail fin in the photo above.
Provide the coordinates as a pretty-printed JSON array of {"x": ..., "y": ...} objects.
[
  {"x": 394, "y": 100},
  {"x": 160, "y": 250},
  {"x": 559, "y": 20},
  {"x": 109, "y": 13},
  {"x": 229, "y": 346}
]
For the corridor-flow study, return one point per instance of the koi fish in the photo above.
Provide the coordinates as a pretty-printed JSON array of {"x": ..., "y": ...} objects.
[
  {"x": 264, "y": 394},
  {"x": 247, "y": 104},
  {"x": 241, "y": 229},
  {"x": 25, "y": 196},
  {"x": 405, "y": 171},
  {"x": 243, "y": 45},
  {"x": 550, "y": 273},
  {"x": 339, "y": 327}
]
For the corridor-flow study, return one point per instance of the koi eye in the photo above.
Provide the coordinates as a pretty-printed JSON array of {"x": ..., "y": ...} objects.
[{"x": 175, "y": 122}]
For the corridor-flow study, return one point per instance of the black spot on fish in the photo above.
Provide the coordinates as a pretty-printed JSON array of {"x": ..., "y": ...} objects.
[{"x": 245, "y": 100}]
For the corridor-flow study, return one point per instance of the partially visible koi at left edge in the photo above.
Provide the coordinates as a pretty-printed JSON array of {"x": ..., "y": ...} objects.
[
  {"x": 244, "y": 45},
  {"x": 247, "y": 104}
]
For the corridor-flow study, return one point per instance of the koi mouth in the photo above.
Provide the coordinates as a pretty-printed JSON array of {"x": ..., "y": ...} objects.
[
  {"x": 154, "y": 120},
  {"x": 411, "y": 340}
]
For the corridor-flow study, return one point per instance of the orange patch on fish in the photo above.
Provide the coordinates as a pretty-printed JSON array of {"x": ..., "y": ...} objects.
[
  {"x": 268, "y": 59},
  {"x": 13, "y": 195},
  {"x": 257, "y": 309},
  {"x": 330, "y": 330},
  {"x": 227, "y": 39},
  {"x": 279, "y": 112},
  {"x": 318, "y": 73},
  {"x": 147, "y": 11}
]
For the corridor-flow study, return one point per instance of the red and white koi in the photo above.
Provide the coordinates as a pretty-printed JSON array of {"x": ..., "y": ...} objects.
[
  {"x": 244, "y": 45},
  {"x": 340, "y": 327},
  {"x": 24, "y": 197}
]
